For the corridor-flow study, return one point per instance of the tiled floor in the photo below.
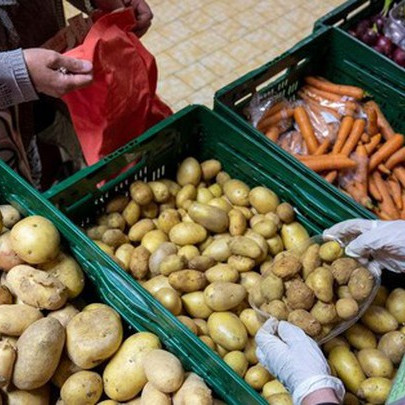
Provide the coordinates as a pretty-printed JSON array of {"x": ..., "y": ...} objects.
[{"x": 202, "y": 45}]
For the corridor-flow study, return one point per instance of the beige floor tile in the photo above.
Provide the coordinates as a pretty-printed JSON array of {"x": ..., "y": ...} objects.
[
  {"x": 167, "y": 11},
  {"x": 250, "y": 18},
  {"x": 220, "y": 62},
  {"x": 196, "y": 75},
  {"x": 220, "y": 10},
  {"x": 173, "y": 89},
  {"x": 167, "y": 65},
  {"x": 176, "y": 31},
  {"x": 209, "y": 41},
  {"x": 205, "y": 96},
  {"x": 230, "y": 30},
  {"x": 198, "y": 20},
  {"x": 186, "y": 52},
  {"x": 263, "y": 39},
  {"x": 156, "y": 42},
  {"x": 242, "y": 50},
  {"x": 269, "y": 9}
]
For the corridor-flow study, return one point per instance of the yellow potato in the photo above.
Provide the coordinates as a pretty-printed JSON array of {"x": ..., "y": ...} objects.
[
  {"x": 7, "y": 359},
  {"x": 392, "y": 344},
  {"x": 263, "y": 200},
  {"x": 204, "y": 195},
  {"x": 124, "y": 253},
  {"x": 174, "y": 188},
  {"x": 286, "y": 265},
  {"x": 150, "y": 210},
  {"x": 151, "y": 395},
  {"x": 342, "y": 269},
  {"x": 381, "y": 296},
  {"x": 257, "y": 376},
  {"x": 141, "y": 193},
  {"x": 168, "y": 219},
  {"x": 187, "y": 194},
  {"x": 249, "y": 279},
  {"x": 170, "y": 300},
  {"x": 375, "y": 390},
  {"x": 160, "y": 191},
  {"x": 265, "y": 228},
  {"x": 222, "y": 272},
  {"x": 379, "y": 320},
  {"x": 189, "y": 172},
  {"x": 157, "y": 257},
  {"x": 286, "y": 213},
  {"x": 237, "y": 192},
  {"x": 172, "y": 263},
  {"x": 65, "y": 369},
  {"x": 189, "y": 323},
  {"x": 375, "y": 363},
  {"x": 276, "y": 308},
  {"x": 116, "y": 221},
  {"x": 343, "y": 292},
  {"x": 223, "y": 296},
  {"x": 250, "y": 351},
  {"x": 156, "y": 283},
  {"x": 272, "y": 388},
  {"x": 237, "y": 361},
  {"x": 280, "y": 399},
  {"x": 140, "y": 229},
  {"x": 332, "y": 343},
  {"x": 210, "y": 169},
  {"x": 114, "y": 238},
  {"x": 241, "y": 263},
  {"x": 116, "y": 204},
  {"x": 324, "y": 313},
  {"x": 202, "y": 327},
  {"x": 321, "y": 282},
  {"x": 131, "y": 213},
  {"x": 187, "y": 233},
  {"x": 251, "y": 321},
  {"x": 9, "y": 215},
  {"x": 275, "y": 245},
  {"x": 347, "y": 308},
  {"x": 293, "y": 235},
  {"x": 187, "y": 280},
  {"x": 83, "y": 387},
  {"x": 193, "y": 391},
  {"x": 330, "y": 251},
  {"x": 305, "y": 321},
  {"x": 271, "y": 287},
  {"x": 261, "y": 242},
  {"x": 201, "y": 263},
  {"x": 396, "y": 304},
  {"x": 105, "y": 248},
  {"x": 222, "y": 177},
  {"x": 222, "y": 203},
  {"x": 16, "y": 318},
  {"x": 360, "y": 337},
  {"x": 64, "y": 315},
  {"x": 195, "y": 305},
  {"x": 153, "y": 239},
  {"x": 139, "y": 262},
  {"x": 237, "y": 222},
  {"x": 218, "y": 249},
  {"x": 360, "y": 284},
  {"x": 310, "y": 260},
  {"x": 39, "y": 396},
  {"x": 211, "y": 218},
  {"x": 244, "y": 246}
]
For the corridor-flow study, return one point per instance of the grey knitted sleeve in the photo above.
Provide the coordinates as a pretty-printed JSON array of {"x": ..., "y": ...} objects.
[{"x": 15, "y": 84}]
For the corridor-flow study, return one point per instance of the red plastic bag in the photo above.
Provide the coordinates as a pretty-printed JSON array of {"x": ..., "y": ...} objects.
[{"x": 121, "y": 103}]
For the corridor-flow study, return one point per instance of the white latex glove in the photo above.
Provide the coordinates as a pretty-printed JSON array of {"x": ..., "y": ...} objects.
[
  {"x": 380, "y": 241},
  {"x": 295, "y": 359}
]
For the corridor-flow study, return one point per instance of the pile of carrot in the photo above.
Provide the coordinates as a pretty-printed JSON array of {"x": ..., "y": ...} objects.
[{"x": 367, "y": 147}]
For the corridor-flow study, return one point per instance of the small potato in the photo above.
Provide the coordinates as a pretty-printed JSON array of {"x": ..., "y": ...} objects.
[
  {"x": 64, "y": 315},
  {"x": 168, "y": 219},
  {"x": 310, "y": 260},
  {"x": 114, "y": 238},
  {"x": 140, "y": 229},
  {"x": 375, "y": 390},
  {"x": 65, "y": 369},
  {"x": 305, "y": 321},
  {"x": 163, "y": 370},
  {"x": 187, "y": 233},
  {"x": 249, "y": 280},
  {"x": 96, "y": 232},
  {"x": 375, "y": 363},
  {"x": 187, "y": 280},
  {"x": 392, "y": 344},
  {"x": 5, "y": 296},
  {"x": 151, "y": 395},
  {"x": 280, "y": 399},
  {"x": 153, "y": 239},
  {"x": 237, "y": 192},
  {"x": 330, "y": 251},
  {"x": 263, "y": 200},
  {"x": 347, "y": 308},
  {"x": 187, "y": 193},
  {"x": 256, "y": 376},
  {"x": 360, "y": 284},
  {"x": 265, "y": 228},
  {"x": 189, "y": 172},
  {"x": 286, "y": 266},
  {"x": 174, "y": 188},
  {"x": 211, "y": 218},
  {"x": 261, "y": 242},
  {"x": 16, "y": 318},
  {"x": 131, "y": 213},
  {"x": 189, "y": 252},
  {"x": 39, "y": 350},
  {"x": 286, "y": 213},
  {"x": 237, "y": 222},
  {"x": 275, "y": 245},
  {"x": 293, "y": 235},
  {"x": 221, "y": 203},
  {"x": 396, "y": 304},
  {"x": 156, "y": 283},
  {"x": 342, "y": 269},
  {"x": 360, "y": 337},
  {"x": 223, "y": 296},
  {"x": 251, "y": 321},
  {"x": 272, "y": 287},
  {"x": 244, "y": 246},
  {"x": 171, "y": 264},
  {"x": 218, "y": 250},
  {"x": 273, "y": 387},
  {"x": 139, "y": 262},
  {"x": 36, "y": 288},
  {"x": 210, "y": 169},
  {"x": 189, "y": 323},
  {"x": 237, "y": 361},
  {"x": 35, "y": 239},
  {"x": 39, "y": 396},
  {"x": 193, "y": 391},
  {"x": 141, "y": 193},
  {"x": 116, "y": 221},
  {"x": 320, "y": 281},
  {"x": 300, "y": 296},
  {"x": 222, "y": 177},
  {"x": 116, "y": 204},
  {"x": 201, "y": 263},
  {"x": 276, "y": 308},
  {"x": 93, "y": 336},
  {"x": 250, "y": 352},
  {"x": 124, "y": 253},
  {"x": 324, "y": 313},
  {"x": 10, "y": 215},
  {"x": 332, "y": 343},
  {"x": 216, "y": 190},
  {"x": 156, "y": 258},
  {"x": 381, "y": 296},
  {"x": 105, "y": 248},
  {"x": 83, "y": 387},
  {"x": 343, "y": 292},
  {"x": 222, "y": 272},
  {"x": 204, "y": 195},
  {"x": 170, "y": 300},
  {"x": 195, "y": 305},
  {"x": 379, "y": 320},
  {"x": 160, "y": 191},
  {"x": 202, "y": 328},
  {"x": 7, "y": 359},
  {"x": 241, "y": 263}
]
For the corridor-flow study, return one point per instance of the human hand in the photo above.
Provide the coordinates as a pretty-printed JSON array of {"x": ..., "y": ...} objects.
[
  {"x": 381, "y": 241},
  {"x": 296, "y": 360},
  {"x": 44, "y": 68}
]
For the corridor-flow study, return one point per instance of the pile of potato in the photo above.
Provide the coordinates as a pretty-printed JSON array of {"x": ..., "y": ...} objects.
[
  {"x": 55, "y": 348},
  {"x": 366, "y": 356},
  {"x": 313, "y": 287}
]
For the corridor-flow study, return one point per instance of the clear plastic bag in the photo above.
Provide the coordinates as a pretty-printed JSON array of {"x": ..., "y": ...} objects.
[
  {"x": 293, "y": 143},
  {"x": 342, "y": 325},
  {"x": 395, "y": 25}
]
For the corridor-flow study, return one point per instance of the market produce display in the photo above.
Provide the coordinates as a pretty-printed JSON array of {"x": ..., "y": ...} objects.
[
  {"x": 335, "y": 131},
  {"x": 54, "y": 345}
]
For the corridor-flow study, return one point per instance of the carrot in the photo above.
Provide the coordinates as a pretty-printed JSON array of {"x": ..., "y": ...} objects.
[
  {"x": 365, "y": 138},
  {"x": 403, "y": 206},
  {"x": 344, "y": 131},
  {"x": 372, "y": 126},
  {"x": 323, "y": 147},
  {"x": 328, "y": 162},
  {"x": 382, "y": 122},
  {"x": 317, "y": 107},
  {"x": 305, "y": 126},
  {"x": 326, "y": 98},
  {"x": 362, "y": 170},
  {"x": 383, "y": 169},
  {"x": 355, "y": 191},
  {"x": 395, "y": 190},
  {"x": 386, "y": 151},
  {"x": 373, "y": 190},
  {"x": 399, "y": 173},
  {"x": 397, "y": 158},
  {"x": 271, "y": 111},
  {"x": 272, "y": 133},
  {"x": 370, "y": 147},
  {"x": 383, "y": 215},
  {"x": 354, "y": 137},
  {"x": 331, "y": 176},
  {"x": 274, "y": 119},
  {"x": 350, "y": 91},
  {"x": 387, "y": 204}
]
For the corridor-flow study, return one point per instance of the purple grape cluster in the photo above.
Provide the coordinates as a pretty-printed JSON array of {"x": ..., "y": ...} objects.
[{"x": 371, "y": 32}]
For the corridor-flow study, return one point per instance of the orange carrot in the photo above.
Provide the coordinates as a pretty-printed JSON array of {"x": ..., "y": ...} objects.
[
  {"x": 372, "y": 127},
  {"x": 331, "y": 176},
  {"x": 274, "y": 119},
  {"x": 350, "y": 91},
  {"x": 370, "y": 147},
  {"x": 323, "y": 147},
  {"x": 382, "y": 122},
  {"x": 387, "y": 204},
  {"x": 399, "y": 173},
  {"x": 305, "y": 126},
  {"x": 383, "y": 215},
  {"x": 403, "y": 206},
  {"x": 271, "y": 111},
  {"x": 365, "y": 138},
  {"x": 373, "y": 190},
  {"x": 386, "y": 151},
  {"x": 397, "y": 158},
  {"x": 329, "y": 99},
  {"x": 317, "y": 107},
  {"x": 344, "y": 131},
  {"x": 362, "y": 169},
  {"x": 354, "y": 137},
  {"x": 383, "y": 169},
  {"x": 328, "y": 162},
  {"x": 272, "y": 133},
  {"x": 395, "y": 190}
]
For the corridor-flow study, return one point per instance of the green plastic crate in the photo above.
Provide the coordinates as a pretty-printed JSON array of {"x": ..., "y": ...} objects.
[{"x": 345, "y": 17}]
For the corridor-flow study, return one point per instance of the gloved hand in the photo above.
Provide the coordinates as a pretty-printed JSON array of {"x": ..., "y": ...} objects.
[
  {"x": 295, "y": 359},
  {"x": 383, "y": 242}
]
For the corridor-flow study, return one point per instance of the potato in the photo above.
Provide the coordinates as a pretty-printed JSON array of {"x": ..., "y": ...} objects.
[
  {"x": 277, "y": 309},
  {"x": 261, "y": 242},
  {"x": 381, "y": 296},
  {"x": 163, "y": 370},
  {"x": 7, "y": 359},
  {"x": 396, "y": 304},
  {"x": 241, "y": 263},
  {"x": 237, "y": 192},
  {"x": 156, "y": 258},
  {"x": 39, "y": 350},
  {"x": 36, "y": 288},
  {"x": 65, "y": 369},
  {"x": 83, "y": 387},
  {"x": 293, "y": 235},
  {"x": 375, "y": 363},
  {"x": 211, "y": 218},
  {"x": 227, "y": 330},
  {"x": 324, "y": 313},
  {"x": 116, "y": 204},
  {"x": 330, "y": 251},
  {"x": 221, "y": 203},
  {"x": 244, "y": 246},
  {"x": 347, "y": 367},
  {"x": 187, "y": 233},
  {"x": 263, "y": 200},
  {"x": 124, "y": 376},
  {"x": 249, "y": 280},
  {"x": 237, "y": 222},
  {"x": 156, "y": 283},
  {"x": 150, "y": 210},
  {"x": 131, "y": 213},
  {"x": 265, "y": 228},
  {"x": 275, "y": 245},
  {"x": 342, "y": 269},
  {"x": 9, "y": 215},
  {"x": 300, "y": 296},
  {"x": 218, "y": 250},
  {"x": 187, "y": 280},
  {"x": 210, "y": 169},
  {"x": 251, "y": 321},
  {"x": 8, "y": 257},
  {"x": 193, "y": 391},
  {"x": 160, "y": 191},
  {"x": 201, "y": 263},
  {"x": 64, "y": 315},
  {"x": 202, "y": 327},
  {"x": 222, "y": 272},
  {"x": 16, "y": 318},
  {"x": 347, "y": 308},
  {"x": 223, "y": 296},
  {"x": 392, "y": 344},
  {"x": 140, "y": 229},
  {"x": 124, "y": 253},
  {"x": 167, "y": 219},
  {"x": 153, "y": 239},
  {"x": 305, "y": 321},
  {"x": 222, "y": 177},
  {"x": 151, "y": 395},
  {"x": 320, "y": 281},
  {"x": 170, "y": 300},
  {"x": 105, "y": 248},
  {"x": 172, "y": 263},
  {"x": 5, "y": 296},
  {"x": 93, "y": 336},
  {"x": 250, "y": 351},
  {"x": 237, "y": 361},
  {"x": 343, "y": 292},
  {"x": 360, "y": 337},
  {"x": 271, "y": 287},
  {"x": 280, "y": 399},
  {"x": 350, "y": 399},
  {"x": 273, "y": 387},
  {"x": 334, "y": 342},
  {"x": 195, "y": 305},
  {"x": 139, "y": 262},
  {"x": 360, "y": 284},
  {"x": 379, "y": 320},
  {"x": 256, "y": 297},
  {"x": 375, "y": 390},
  {"x": 141, "y": 193},
  {"x": 246, "y": 211},
  {"x": 187, "y": 193},
  {"x": 189, "y": 323},
  {"x": 286, "y": 266},
  {"x": 204, "y": 195},
  {"x": 39, "y": 396},
  {"x": 116, "y": 221},
  {"x": 256, "y": 376},
  {"x": 189, "y": 172}
]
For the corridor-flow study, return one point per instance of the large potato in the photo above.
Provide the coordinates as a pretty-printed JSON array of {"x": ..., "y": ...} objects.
[
  {"x": 237, "y": 192},
  {"x": 360, "y": 337},
  {"x": 170, "y": 300},
  {"x": 15, "y": 318},
  {"x": 151, "y": 395},
  {"x": 212, "y": 218},
  {"x": 124, "y": 376},
  {"x": 83, "y": 387},
  {"x": 375, "y": 390},
  {"x": 375, "y": 363},
  {"x": 39, "y": 350},
  {"x": 193, "y": 391},
  {"x": 252, "y": 323},
  {"x": 222, "y": 272},
  {"x": 8, "y": 256},
  {"x": 257, "y": 376},
  {"x": 153, "y": 239},
  {"x": 379, "y": 320},
  {"x": 39, "y": 396},
  {"x": 227, "y": 330},
  {"x": 218, "y": 249},
  {"x": 300, "y": 296},
  {"x": 36, "y": 288},
  {"x": 320, "y": 281},
  {"x": 93, "y": 336},
  {"x": 294, "y": 235},
  {"x": 263, "y": 200},
  {"x": 392, "y": 344},
  {"x": 35, "y": 240},
  {"x": 7, "y": 359},
  {"x": 396, "y": 304},
  {"x": 306, "y": 321},
  {"x": 195, "y": 305},
  {"x": 223, "y": 296},
  {"x": 187, "y": 233},
  {"x": 244, "y": 246},
  {"x": 360, "y": 284},
  {"x": 141, "y": 193},
  {"x": 187, "y": 280},
  {"x": 189, "y": 172}
]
